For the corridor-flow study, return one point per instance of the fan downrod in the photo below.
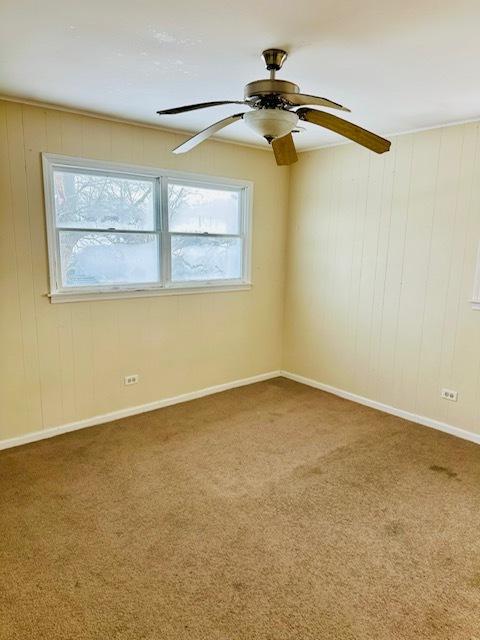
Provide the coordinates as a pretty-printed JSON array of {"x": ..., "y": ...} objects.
[{"x": 267, "y": 93}]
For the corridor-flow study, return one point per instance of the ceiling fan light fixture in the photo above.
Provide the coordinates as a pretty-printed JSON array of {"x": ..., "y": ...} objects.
[
  {"x": 271, "y": 123},
  {"x": 272, "y": 102}
]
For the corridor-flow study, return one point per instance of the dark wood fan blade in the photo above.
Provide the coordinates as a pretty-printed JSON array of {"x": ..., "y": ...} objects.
[
  {"x": 303, "y": 98},
  {"x": 347, "y": 129},
  {"x": 200, "y": 105},
  {"x": 206, "y": 133},
  {"x": 284, "y": 150}
]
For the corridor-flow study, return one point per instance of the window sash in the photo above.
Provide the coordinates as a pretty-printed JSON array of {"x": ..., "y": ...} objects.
[
  {"x": 161, "y": 180},
  {"x": 107, "y": 174},
  {"x": 102, "y": 287}
]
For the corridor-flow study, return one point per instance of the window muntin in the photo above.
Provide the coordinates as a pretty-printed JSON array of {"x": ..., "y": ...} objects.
[{"x": 114, "y": 230}]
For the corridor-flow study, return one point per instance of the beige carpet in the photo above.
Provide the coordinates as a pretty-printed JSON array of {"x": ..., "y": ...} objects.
[{"x": 273, "y": 511}]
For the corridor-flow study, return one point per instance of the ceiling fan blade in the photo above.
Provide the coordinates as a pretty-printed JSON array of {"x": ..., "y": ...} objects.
[
  {"x": 299, "y": 99},
  {"x": 200, "y": 105},
  {"x": 206, "y": 133},
  {"x": 347, "y": 129},
  {"x": 284, "y": 150}
]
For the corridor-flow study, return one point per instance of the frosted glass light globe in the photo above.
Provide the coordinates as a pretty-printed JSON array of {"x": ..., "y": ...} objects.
[{"x": 271, "y": 123}]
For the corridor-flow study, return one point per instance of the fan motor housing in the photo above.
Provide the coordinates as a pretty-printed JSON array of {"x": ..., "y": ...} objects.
[{"x": 267, "y": 87}]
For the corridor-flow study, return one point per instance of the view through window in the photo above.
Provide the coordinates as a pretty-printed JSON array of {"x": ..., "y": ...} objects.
[{"x": 114, "y": 230}]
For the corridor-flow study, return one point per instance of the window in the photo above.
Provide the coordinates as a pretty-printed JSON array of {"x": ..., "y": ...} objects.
[{"x": 115, "y": 230}]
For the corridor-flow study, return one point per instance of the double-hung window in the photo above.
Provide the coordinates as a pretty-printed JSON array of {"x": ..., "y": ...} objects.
[{"x": 115, "y": 230}]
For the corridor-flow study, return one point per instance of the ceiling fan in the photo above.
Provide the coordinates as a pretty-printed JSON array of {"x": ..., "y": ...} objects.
[{"x": 272, "y": 114}]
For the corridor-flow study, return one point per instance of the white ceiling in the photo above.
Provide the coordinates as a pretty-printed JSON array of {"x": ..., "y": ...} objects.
[{"x": 398, "y": 64}]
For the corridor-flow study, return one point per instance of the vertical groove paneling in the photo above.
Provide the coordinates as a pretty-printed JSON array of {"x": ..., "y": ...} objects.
[
  {"x": 47, "y": 319},
  {"x": 66, "y": 362},
  {"x": 381, "y": 254},
  {"x": 11, "y": 340},
  {"x": 31, "y": 405},
  {"x": 384, "y": 312}
]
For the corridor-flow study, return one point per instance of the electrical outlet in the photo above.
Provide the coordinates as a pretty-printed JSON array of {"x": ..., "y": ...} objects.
[
  {"x": 450, "y": 394},
  {"x": 133, "y": 379}
]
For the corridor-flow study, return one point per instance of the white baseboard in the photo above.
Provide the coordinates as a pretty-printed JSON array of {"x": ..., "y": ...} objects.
[
  {"x": 413, "y": 417},
  {"x": 130, "y": 411},
  {"x": 192, "y": 395}
]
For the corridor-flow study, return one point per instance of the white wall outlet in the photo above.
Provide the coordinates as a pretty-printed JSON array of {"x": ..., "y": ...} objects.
[
  {"x": 450, "y": 394},
  {"x": 133, "y": 379}
]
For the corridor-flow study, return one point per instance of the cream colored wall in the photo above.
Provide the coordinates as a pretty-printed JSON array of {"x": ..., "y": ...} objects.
[
  {"x": 380, "y": 272},
  {"x": 65, "y": 362},
  {"x": 381, "y": 255}
]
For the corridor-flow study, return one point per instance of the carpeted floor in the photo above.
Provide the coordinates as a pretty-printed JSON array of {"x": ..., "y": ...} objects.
[{"x": 269, "y": 512}]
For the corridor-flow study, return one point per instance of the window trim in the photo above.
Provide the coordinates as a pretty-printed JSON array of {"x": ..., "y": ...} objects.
[{"x": 58, "y": 293}]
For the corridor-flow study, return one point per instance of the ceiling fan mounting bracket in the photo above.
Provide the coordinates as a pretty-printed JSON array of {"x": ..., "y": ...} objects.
[{"x": 274, "y": 58}]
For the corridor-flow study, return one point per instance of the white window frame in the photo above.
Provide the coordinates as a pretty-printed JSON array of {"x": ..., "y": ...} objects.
[{"x": 60, "y": 293}]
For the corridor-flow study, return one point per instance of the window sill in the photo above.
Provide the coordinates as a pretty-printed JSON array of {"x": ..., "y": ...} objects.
[{"x": 84, "y": 296}]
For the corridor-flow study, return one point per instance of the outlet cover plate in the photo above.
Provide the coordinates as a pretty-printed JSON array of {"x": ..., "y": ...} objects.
[{"x": 449, "y": 394}]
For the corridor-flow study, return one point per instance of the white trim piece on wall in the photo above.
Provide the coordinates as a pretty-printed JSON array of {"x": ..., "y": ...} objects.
[
  {"x": 185, "y": 397},
  {"x": 131, "y": 411},
  {"x": 400, "y": 413}
]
